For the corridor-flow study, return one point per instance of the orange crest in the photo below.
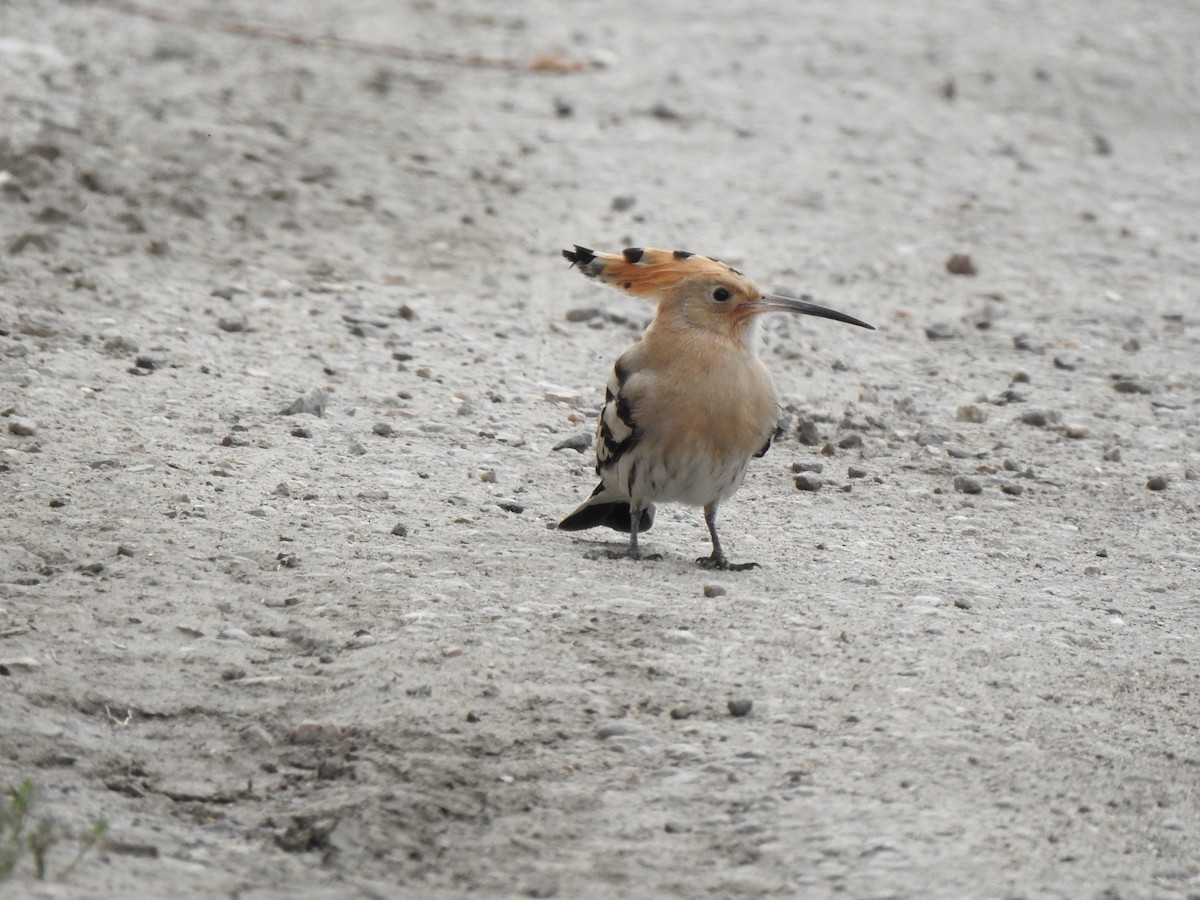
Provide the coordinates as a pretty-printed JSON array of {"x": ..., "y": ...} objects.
[{"x": 647, "y": 272}]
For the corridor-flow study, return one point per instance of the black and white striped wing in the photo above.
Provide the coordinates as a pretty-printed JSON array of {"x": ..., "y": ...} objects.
[{"x": 616, "y": 432}]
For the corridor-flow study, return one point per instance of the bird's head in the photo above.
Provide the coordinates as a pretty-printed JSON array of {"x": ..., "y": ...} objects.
[{"x": 695, "y": 291}]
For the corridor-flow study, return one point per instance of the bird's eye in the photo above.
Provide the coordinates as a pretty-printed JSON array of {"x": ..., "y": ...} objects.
[{"x": 720, "y": 294}]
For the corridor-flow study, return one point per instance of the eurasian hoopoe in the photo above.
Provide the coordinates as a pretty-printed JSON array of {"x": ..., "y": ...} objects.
[{"x": 690, "y": 403}]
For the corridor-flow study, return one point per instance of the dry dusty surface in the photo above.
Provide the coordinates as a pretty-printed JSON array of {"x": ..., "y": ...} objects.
[{"x": 344, "y": 653}]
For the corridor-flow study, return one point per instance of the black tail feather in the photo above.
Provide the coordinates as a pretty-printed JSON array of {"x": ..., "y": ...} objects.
[{"x": 616, "y": 515}]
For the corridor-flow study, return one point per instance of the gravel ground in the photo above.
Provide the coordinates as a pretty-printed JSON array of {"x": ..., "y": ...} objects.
[{"x": 294, "y": 386}]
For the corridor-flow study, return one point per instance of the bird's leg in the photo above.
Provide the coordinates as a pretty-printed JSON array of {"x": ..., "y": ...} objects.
[
  {"x": 633, "y": 552},
  {"x": 717, "y": 559},
  {"x": 635, "y": 519}
]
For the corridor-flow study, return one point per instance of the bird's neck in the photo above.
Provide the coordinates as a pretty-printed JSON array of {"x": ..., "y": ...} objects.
[{"x": 742, "y": 336}]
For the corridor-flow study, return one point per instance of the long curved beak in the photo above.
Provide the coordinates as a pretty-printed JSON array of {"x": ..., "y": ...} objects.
[{"x": 776, "y": 303}]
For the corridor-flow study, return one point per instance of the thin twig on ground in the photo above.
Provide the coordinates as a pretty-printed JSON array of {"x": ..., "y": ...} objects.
[{"x": 552, "y": 63}]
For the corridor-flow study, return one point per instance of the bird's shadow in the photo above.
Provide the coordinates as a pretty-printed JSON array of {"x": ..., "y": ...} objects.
[{"x": 703, "y": 563}]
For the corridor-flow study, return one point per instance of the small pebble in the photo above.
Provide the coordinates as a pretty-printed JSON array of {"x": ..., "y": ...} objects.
[
  {"x": 373, "y": 495},
  {"x": 1157, "y": 482},
  {"x": 740, "y": 706},
  {"x": 509, "y": 506},
  {"x": 960, "y": 264},
  {"x": 968, "y": 412},
  {"x": 1013, "y": 490},
  {"x": 119, "y": 346},
  {"x": 615, "y": 729},
  {"x": 22, "y": 427},
  {"x": 808, "y": 467},
  {"x": 42, "y": 242},
  {"x": 940, "y": 331},
  {"x": 472, "y": 717},
  {"x": 930, "y": 435},
  {"x": 856, "y": 472},
  {"x": 584, "y": 313},
  {"x": 808, "y": 483},
  {"x": 1028, "y": 344},
  {"x": 231, "y": 323},
  {"x": 1040, "y": 417},
  {"x": 1066, "y": 362},
  {"x": 257, "y": 737},
  {"x": 1112, "y": 454},
  {"x": 581, "y": 442},
  {"x": 147, "y": 363},
  {"x": 714, "y": 590},
  {"x": 850, "y": 441},
  {"x": 400, "y": 529},
  {"x": 965, "y": 484},
  {"x": 808, "y": 433},
  {"x": 683, "y": 711},
  {"x": 1133, "y": 345},
  {"x": 558, "y": 394},
  {"x": 313, "y": 403},
  {"x": 383, "y": 429},
  {"x": 301, "y": 433},
  {"x": 1130, "y": 386},
  {"x": 623, "y": 202}
]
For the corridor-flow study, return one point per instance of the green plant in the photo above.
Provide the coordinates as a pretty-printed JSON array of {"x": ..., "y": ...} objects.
[{"x": 20, "y": 838}]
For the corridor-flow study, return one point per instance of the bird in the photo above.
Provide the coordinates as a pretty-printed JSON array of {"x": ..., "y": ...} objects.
[{"x": 691, "y": 403}]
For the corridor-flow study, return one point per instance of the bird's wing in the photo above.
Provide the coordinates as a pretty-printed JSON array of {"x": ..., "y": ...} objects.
[{"x": 617, "y": 432}]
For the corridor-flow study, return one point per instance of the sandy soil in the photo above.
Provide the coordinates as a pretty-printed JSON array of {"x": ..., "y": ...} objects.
[{"x": 344, "y": 653}]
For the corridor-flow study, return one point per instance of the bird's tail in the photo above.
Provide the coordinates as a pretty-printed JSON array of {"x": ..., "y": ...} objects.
[{"x": 604, "y": 509}]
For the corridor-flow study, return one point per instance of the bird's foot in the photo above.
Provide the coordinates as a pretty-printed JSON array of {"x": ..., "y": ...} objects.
[{"x": 720, "y": 562}]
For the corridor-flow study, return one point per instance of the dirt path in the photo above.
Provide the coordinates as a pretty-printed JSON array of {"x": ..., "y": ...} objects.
[{"x": 342, "y": 652}]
